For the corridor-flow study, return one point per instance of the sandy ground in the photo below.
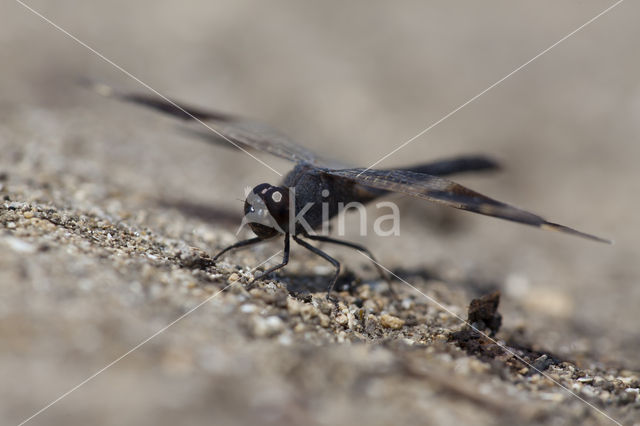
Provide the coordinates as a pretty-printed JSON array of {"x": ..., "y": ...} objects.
[{"x": 108, "y": 215}]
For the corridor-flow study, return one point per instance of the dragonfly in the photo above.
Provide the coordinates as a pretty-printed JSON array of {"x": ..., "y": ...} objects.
[{"x": 314, "y": 191}]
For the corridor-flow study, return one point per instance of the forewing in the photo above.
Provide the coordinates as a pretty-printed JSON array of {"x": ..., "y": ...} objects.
[
  {"x": 157, "y": 103},
  {"x": 446, "y": 192},
  {"x": 253, "y": 135},
  {"x": 246, "y": 133}
]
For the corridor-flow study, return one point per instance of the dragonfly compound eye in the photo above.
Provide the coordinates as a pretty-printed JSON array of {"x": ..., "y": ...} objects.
[{"x": 277, "y": 201}]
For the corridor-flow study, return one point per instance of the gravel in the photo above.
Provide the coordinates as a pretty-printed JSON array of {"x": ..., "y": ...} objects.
[
  {"x": 82, "y": 285},
  {"x": 109, "y": 217}
]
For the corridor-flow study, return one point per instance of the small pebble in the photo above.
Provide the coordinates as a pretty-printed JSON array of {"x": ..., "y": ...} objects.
[
  {"x": 441, "y": 338},
  {"x": 389, "y": 321},
  {"x": 248, "y": 308},
  {"x": 542, "y": 362},
  {"x": 308, "y": 311},
  {"x": 324, "y": 320},
  {"x": 590, "y": 391},
  {"x": 555, "y": 397},
  {"x": 267, "y": 327},
  {"x": 364, "y": 292},
  {"x": 605, "y": 396},
  {"x": 325, "y": 307},
  {"x": 407, "y": 304},
  {"x": 342, "y": 319},
  {"x": 294, "y": 306},
  {"x": 371, "y": 306}
]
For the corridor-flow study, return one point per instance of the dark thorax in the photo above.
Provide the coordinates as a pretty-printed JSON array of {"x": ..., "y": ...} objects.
[{"x": 319, "y": 196}]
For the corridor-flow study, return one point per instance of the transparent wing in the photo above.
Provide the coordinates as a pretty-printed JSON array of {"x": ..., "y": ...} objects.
[
  {"x": 260, "y": 137},
  {"x": 446, "y": 192},
  {"x": 246, "y": 133}
]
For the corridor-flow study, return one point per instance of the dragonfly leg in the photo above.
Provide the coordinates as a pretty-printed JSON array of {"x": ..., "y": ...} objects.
[
  {"x": 240, "y": 244},
  {"x": 285, "y": 259},
  {"x": 360, "y": 248},
  {"x": 325, "y": 256}
]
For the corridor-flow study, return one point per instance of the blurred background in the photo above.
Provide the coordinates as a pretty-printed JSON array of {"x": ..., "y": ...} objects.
[{"x": 353, "y": 81}]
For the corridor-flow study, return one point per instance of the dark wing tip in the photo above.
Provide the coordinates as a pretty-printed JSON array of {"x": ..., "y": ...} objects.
[
  {"x": 156, "y": 102},
  {"x": 484, "y": 162},
  {"x": 561, "y": 228},
  {"x": 443, "y": 191}
]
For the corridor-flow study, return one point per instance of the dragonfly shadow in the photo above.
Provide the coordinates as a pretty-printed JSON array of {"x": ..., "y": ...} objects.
[
  {"x": 305, "y": 284},
  {"x": 205, "y": 212},
  {"x": 350, "y": 281},
  {"x": 473, "y": 286}
]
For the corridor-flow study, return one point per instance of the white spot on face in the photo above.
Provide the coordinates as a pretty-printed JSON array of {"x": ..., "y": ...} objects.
[{"x": 276, "y": 196}]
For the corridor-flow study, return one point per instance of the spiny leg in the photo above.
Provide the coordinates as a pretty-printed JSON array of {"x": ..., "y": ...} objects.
[
  {"x": 285, "y": 259},
  {"x": 360, "y": 248},
  {"x": 325, "y": 256},
  {"x": 240, "y": 244}
]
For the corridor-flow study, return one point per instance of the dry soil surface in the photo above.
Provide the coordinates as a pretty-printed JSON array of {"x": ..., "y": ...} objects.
[{"x": 109, "y": 216}]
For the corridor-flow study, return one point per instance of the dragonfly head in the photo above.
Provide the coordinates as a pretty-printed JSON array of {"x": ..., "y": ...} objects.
[{"x": 266, "y": 210}]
